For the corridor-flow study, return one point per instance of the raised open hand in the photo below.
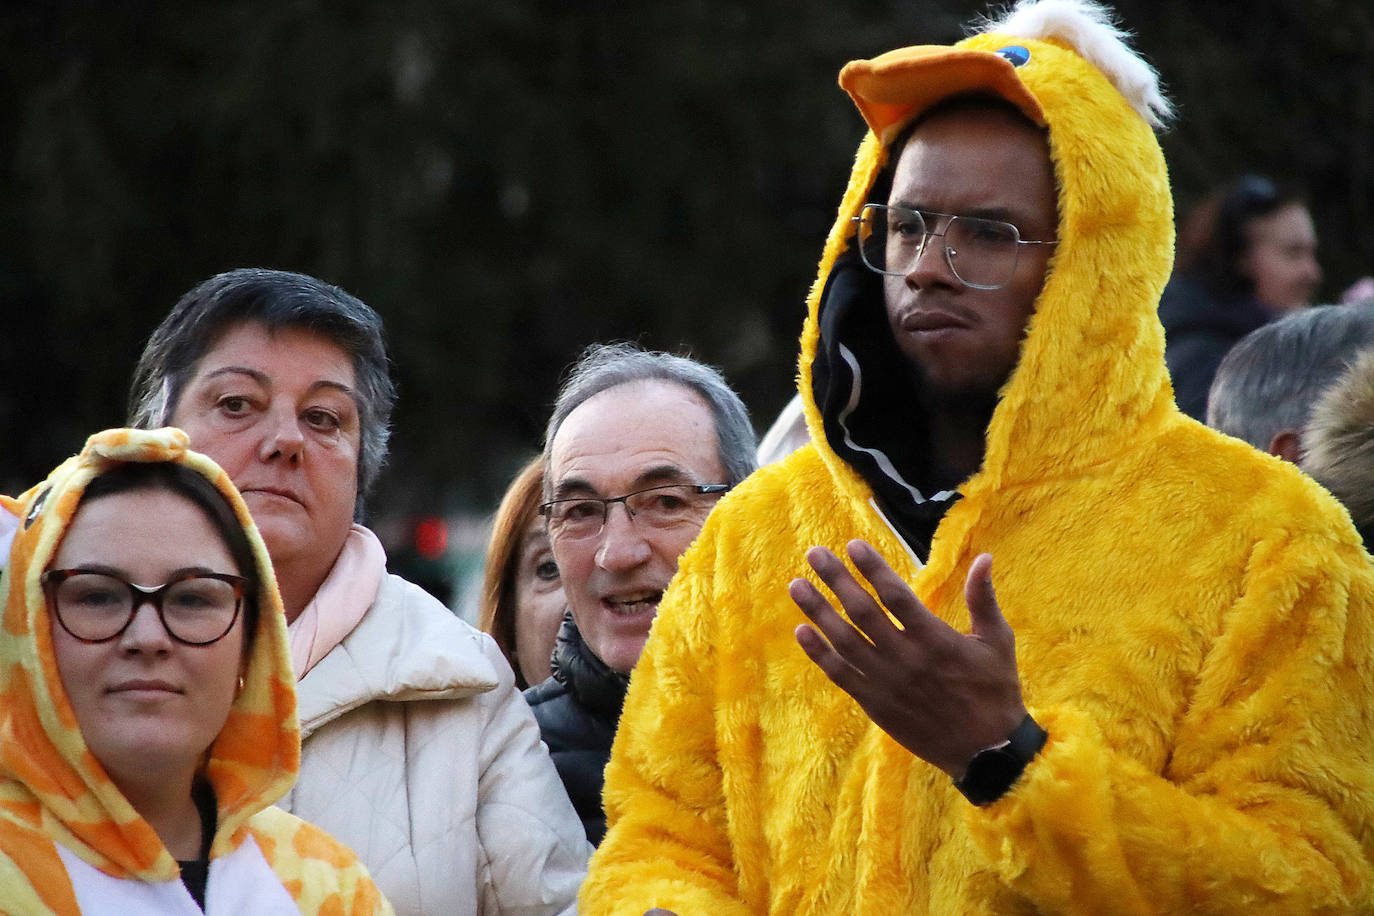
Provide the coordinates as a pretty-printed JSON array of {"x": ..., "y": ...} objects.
[{"x": 941, "y": 694}]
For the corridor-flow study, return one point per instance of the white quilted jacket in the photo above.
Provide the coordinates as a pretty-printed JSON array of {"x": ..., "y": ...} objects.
[{"x": 419, "y": 753}]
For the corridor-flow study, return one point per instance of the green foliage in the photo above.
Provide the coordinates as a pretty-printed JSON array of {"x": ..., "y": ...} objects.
[{"x": 509, "y": 182}]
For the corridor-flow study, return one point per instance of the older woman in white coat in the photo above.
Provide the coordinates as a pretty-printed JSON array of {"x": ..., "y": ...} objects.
[{"x": 417, "y": 750}]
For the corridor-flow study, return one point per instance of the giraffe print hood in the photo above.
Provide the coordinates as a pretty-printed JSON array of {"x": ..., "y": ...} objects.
[{"x": 49, "y": 780}]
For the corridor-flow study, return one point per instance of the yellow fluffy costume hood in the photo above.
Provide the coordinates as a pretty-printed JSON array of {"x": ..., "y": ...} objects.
[
  {"x": 1193, "y": 619},
  {"x": 59, "y": 809},
  {"x": 1094, "y": 331}
]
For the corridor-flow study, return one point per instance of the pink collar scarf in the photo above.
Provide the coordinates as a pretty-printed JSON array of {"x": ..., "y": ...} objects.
[{"x": 342, "y": 600}]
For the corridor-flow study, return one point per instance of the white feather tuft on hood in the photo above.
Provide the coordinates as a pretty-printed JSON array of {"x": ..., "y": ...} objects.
[{"x": 1088, "y": 28}]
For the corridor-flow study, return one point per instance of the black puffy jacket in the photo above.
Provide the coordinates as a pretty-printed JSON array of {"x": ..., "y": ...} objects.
[
  {"x": 577, "y": 710},
  {"x": 1199, "y": 330}
]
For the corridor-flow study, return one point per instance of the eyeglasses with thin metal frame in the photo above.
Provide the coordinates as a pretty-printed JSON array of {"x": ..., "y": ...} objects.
[
  {"x": 98, "y": 606},
  {"x": 982, "y": 253},
  {"x": 663, "y": 506}
]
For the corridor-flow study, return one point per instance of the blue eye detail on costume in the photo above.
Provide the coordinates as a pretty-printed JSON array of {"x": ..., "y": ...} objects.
[{"x": 1017, "y": 55}]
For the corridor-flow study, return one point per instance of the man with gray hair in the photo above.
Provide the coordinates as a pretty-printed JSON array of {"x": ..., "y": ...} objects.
[
  {"x": 1267, "y": 385},
  {"x": 663, "y": 438}
]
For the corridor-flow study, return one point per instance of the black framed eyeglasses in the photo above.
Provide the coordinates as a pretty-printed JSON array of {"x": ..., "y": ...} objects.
[
  {"x": 195, "y": 608},
  {"x": 981, "y": 252},
  {"x": 662, "y": 507}
]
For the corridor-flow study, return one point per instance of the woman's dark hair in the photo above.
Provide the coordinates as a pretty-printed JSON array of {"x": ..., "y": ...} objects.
[
  {"x": 1215, "y": 238},
  {"x": 183, "y": 481},
  {"x": 275, "y": 299}
]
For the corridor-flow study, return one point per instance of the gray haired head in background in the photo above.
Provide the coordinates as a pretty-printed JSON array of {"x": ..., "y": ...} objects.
[
  {"x": 1271, "y": 379},
  {"x": 1339, "y": 442},
  {"x": 276, "y": 300},
  {"x": 604, "y": 366}
]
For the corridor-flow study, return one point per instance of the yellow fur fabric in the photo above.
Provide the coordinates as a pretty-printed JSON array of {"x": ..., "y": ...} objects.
[
  {"x": 53, "y": 791},
  {"x": 1193, "y": 627}
]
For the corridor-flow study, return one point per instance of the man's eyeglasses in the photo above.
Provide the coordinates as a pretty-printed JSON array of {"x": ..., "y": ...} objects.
[
  {"x": 663, "y": 507},
  {"x": 197, "y": 608},
  {"x": 981, "y": 252}
]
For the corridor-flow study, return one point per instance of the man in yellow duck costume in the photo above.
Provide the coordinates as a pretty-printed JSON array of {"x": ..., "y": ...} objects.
[{"x": 1167, "y": 706}]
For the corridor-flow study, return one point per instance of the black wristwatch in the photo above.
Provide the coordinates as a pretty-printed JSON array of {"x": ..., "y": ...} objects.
[{"x": 994, "y": 770}]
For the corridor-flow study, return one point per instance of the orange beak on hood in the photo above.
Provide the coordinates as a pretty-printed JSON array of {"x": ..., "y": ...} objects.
[{"x": 894, "y": 88}]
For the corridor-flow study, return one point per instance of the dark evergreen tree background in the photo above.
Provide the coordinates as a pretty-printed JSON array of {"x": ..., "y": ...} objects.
[{"x": 507, "y": 182}]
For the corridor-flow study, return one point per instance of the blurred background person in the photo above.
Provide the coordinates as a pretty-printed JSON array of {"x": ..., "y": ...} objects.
[
  {"x": 417, "y": 750},
  {"x": 1339, "y": 442},
  {"x": 787, "y": 434},
  {"x": 640, "y": 448},
  {"x": 1246, "y": 254},
  {"x": 1361, "y": 292},
  {"x": 149, "y": 707},
  {"x": 522, "y": 594},
  {"x": 1268, "y": 384},
  {"x": 8, "y": 526}
]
